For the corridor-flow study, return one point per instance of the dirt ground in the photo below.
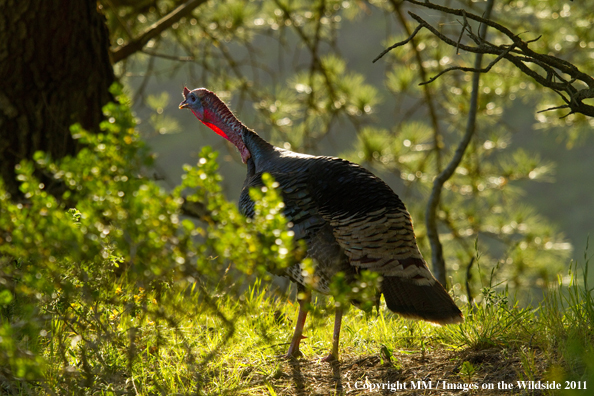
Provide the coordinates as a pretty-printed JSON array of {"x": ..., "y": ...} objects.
[{"x": 439, "y": 372}]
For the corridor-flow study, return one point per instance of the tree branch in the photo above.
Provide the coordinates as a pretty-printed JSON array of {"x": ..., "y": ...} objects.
[
  {"x": 169, "y": 57},
  {"x": 398, "y": 44},
  {"x": 553, "y": 68},
  {"x": 439, "y": 269},
  {"x": 125, "y": 50},
  {"x": 470, "y": 69}
]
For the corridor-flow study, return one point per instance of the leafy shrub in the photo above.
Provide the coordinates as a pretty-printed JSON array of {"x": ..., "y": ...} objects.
[{"x": 102, "y": 274}]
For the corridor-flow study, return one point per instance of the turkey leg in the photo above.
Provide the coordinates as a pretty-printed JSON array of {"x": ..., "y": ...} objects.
[
  {"x": 298, "y": 334},
  {"x": 335, "y": 336}
]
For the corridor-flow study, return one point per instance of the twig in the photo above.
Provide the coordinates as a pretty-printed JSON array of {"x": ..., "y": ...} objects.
[
  {"x": 461, "y": 34},
  {"x": 312, "y": 46},
  {"x": 169, "y": 57},
  {"x": 554, "y": 108},
  {"x": 119, "y": 18},
  {"x": 125, "y": 50},
  {"x": 145, "y": 79},
  {"x": 398, "y": 44},
  {"x": 470, "y": 69},
  {"x": 315, "y": 64}
]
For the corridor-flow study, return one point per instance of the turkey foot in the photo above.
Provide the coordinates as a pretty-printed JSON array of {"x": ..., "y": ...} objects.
[
  {"x": 294, "y": 351},
  {"x": 330, "y": 358},
  {"x": 333, "y": 356},
  {"x": 292, "y": 355}
]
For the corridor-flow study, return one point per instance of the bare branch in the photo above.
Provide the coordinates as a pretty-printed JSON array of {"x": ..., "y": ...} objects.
[
  {"x": 125, "y": 50},
  {"x": 464, "y": 26},
  {"x": 398, "y": 44},
  {"x": 554, "y": 108},
  {"x": 470, "y": 69},
  {"x": 169, "y": 57}
]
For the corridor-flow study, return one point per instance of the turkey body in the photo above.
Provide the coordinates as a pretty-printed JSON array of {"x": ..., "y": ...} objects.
[
  {"x": 296, "y": 176},
  {"x": 350, "y": 220}
]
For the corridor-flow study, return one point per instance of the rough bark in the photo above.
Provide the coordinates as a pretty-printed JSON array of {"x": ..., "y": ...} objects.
[{"x": 54, "y": 71}]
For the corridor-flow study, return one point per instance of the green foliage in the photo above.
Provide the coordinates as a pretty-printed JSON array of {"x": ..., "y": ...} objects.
[
  {"x": 253, "y": 245},
  {"x": 573, "y": 331},
  {"x": 467, "y": 371},
  {"x": 98, "y": 278},
  {"x": 493, "y": 323},
  {"x": 362, "y": 290}
]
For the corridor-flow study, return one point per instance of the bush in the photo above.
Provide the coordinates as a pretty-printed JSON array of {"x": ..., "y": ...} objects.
[{"x": 104, "y": 273}]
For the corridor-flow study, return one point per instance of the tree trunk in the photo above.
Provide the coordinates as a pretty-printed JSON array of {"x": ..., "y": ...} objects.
[{"x": 54, "y": 71}]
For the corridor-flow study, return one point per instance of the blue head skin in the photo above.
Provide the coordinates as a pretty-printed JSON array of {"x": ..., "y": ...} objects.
[
  {"x": 215, "y": 114},
  {"x": 192, "y": 101}
]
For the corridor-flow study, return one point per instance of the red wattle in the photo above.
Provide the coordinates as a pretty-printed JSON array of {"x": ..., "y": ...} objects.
[{"x": 216, "y": 129}]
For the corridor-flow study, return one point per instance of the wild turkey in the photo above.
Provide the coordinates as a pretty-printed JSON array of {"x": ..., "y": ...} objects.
[{"x": 350, "y": 220}]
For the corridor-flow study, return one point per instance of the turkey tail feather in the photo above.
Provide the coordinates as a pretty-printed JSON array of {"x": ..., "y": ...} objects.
[{"x": 428, "y": 302}]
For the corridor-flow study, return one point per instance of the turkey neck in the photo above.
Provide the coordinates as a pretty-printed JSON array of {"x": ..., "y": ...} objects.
[
  {"x": 260, "y": 150},
  {"x": 248, "y": 142}
]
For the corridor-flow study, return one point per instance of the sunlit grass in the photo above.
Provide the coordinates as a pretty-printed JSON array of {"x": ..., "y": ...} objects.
[{"x": 229, "y": 345}]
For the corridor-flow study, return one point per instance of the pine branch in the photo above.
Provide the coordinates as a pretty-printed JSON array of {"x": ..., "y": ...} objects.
[
  {"x": 125, "y": 50},
  {"x": 518, "y": 53}
]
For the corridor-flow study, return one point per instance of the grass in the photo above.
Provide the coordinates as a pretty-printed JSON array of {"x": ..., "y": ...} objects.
[{"x": 188, "y": 343}]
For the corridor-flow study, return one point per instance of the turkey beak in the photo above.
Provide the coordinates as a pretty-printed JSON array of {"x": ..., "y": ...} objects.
[{"x": 184, "y": 104}]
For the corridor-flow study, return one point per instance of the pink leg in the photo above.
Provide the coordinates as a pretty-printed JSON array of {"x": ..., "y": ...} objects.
[
  {"x": 335, "y": 337},
  {"x": 298, "y": 334}
]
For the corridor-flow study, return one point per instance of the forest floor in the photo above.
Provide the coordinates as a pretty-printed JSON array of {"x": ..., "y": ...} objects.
[
  {"x": 438, "y": 372},
  {"x": 232, "y": 346}
]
